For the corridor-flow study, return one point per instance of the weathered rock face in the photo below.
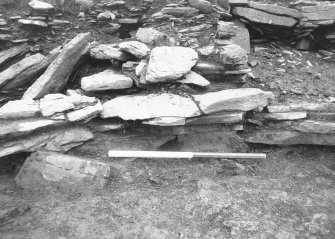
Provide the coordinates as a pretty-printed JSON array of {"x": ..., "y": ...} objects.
[
  {"x": 226, "y": 29},
  {"x": 59, "y": 71},
  {"x": 47, "y": 168},
  {"x": 242, "y": 37},
  {"x": 15, "y": 70},
  {"x": 195, "y": 79},
  {"x": 138, "y": 49},
  {"x": 170, "y": 63},
  {"x": 257, "y": 16},
  {"x": 233, "y": 55},
  {"x": 139, "y": 107},
  {"x": 60, "y": 140},
  {"x": 19, "y": 109},
  {"x": 109, "y": 52},
  {"x": 243, "y": 99},
  {"x": 106, "y": 80}
]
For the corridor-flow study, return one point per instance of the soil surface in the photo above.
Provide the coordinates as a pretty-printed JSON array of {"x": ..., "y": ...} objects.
[{"x": 289, "y": 195}]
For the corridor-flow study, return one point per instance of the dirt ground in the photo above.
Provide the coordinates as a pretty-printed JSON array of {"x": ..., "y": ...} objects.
[{"x": 290, "y": 195}]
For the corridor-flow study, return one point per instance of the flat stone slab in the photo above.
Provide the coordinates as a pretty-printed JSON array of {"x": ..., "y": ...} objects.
[
  {"x": 243, "y": 99},
  {"x": 12, "y": 53},
  {"x": 257, "y": 16},
  {"x": 194, "y": 78},
  {"x": 59, "y": 71},
  {"x": 284, "y": 116},
  {"x": 170, "y": 63},
  {"x": 179, "y": 11},
  {"x": 139, "y": 107},
  {"x": 39, "y": 5},
  {"x": 319, "y": 12},
  {"x": 19, "y": 109},
  {"x": 31, "y": 22},
  {"x": 106, "y": 80},
  {"x": 317, "y": 127},
  {"x": 277, "y": 10},
  {"x": 295, "y": 107},
  {"x": 138, "y": 49},
  {"x": 44, "y": 168},
  {"x": 60, "y": 140}
]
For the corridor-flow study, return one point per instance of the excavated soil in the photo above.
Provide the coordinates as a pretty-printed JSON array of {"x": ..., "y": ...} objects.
[{"x": 289, "y": 195}]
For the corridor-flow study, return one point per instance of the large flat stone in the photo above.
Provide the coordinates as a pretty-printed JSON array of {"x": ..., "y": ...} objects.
[
  {"x": 60, "y": 140},
  {"x": 317, "y": 127},
  {"x": 243, "y": 99},
  {"x": 170, "y": 63},
  {"x": 47, "y": 169},
  {"x": 319, "y": 12},
  {"x": 15, "y": 70},
  {"x": 139, "y": 107},
  {"x": 39, "y": 5},
  {"x": 138, "y": 49},
  {"x": 57, "y": 75},
  {"x": 277, "y": 10},
  {"x": 106, "y": 80},
  {"x": 257, "y": 16}
]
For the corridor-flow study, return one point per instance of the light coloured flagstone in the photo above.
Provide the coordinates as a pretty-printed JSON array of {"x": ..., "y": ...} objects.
[{"x": 138, "y": 49}]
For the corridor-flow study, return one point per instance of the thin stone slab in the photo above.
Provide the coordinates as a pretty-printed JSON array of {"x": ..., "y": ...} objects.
[
  {"x": 203, "y": 6},
  {"x": 151, "y": 36},
  {"x": 309, "y": 107},
  {"x": 57, "y": 75},
  {"x": 170, "y": 63},
  {"x": 179, "y": 11},
  {"x": 109, "y": 52},
  {"x": 31, "y": 22},
  {"x": 106, "y": 80},
  {"x": 138, "y": 49},
  {"x": 317, "y": 127},
  {"x": 194, "y": 78},
  {"x": 139, "y": 107},
  {"x": 243, "y": 99},
  {"x": 44, "y": 168},
  {"x": 85, "y": 114},
  {"x": 242, "y": 37},
  {"x": 257, "y": 16},
  {"x": 319, "y": 12},
  {"x": 13, "y": 53},
  {"x": 15, "y": 70},
  {"x": 283, "y": 116},
  {"x": 217, "y": 118},
  {"x": 28, "y": 75},
  {"x": 277, "y": 10},
  {"x": 60, "y": 140},
  {"x": 39, "y": 5}
]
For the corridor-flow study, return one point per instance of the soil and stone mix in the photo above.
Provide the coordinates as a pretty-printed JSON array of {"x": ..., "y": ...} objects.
[{"x": 80, "y": 78}]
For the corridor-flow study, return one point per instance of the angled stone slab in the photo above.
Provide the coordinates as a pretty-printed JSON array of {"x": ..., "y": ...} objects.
[
  {"x": 87, "y": 113},
  {"x": 57, "y": 75},
  {"x": 243, "y": 99},
  {"x": 194, "y": 78},
  {"x": 166, "y": 121},
  {"x": 13, "y": 53},
  {"x": 44, "y": 168},
  {"x": 138, "y": 49},
  {"x": 277, "y": 10},
  {"x": 109, "y": 52},
  {"x": 283, "y": 116},
  {"x": 60, "y": 140},
  {"x": 257, "y": 16},
  {"x": 179, "y": 11},
  {"x": 217, "y": 118},
  {"x": 28, "y": 75},
  {"x": 139, "y": 107},
  {"x": 24, "y": 126},
  {"x": 319, "y": 12},
  {"x": 15, "y": 70}
]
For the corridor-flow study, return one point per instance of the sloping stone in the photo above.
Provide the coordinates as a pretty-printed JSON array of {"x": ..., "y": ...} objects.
[
  {"x": 12, "y": 53},
  {"x": 24, "y": 126},
  {"x": 86, "y": 113},
  {"x": 242, "y": 37},
  {"x": 15, "y": 70},
  {"x": 39, "y": 5},
  {"x": 195, "y": 79},
  {"x": 218, "y": 118},
  {"x": 257, "y": 16},
  {"x": 319, "y": 12},
  {"x": 19, "y": 109},
  {"x": 60, "y": 140},
  {"x": 170, "y": 63},
  {"x": 282, "y": 137},
  {"x": 138, "y": 49},
  {"x": 317, "y": 127},
  {"x": 179, "y": 11},
  {"x": 28, "y": 75},
  {"x": 277, "y": 10},
  {"x": 203, "y": 6},
  {"x": 166, "y": 121},
  {"x": 139, "y": 107},
  {"x": 59, "y": 71},
  {"x": 106, "y": 80},
  {"x": 243, "y": 99},
  {"x": 47, "y": 168},
  {"x": 109, "y": 52},
  {"x": 55, "y": 103}
]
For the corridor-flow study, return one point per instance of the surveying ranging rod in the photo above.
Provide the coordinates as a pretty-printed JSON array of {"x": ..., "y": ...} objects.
[{"x": 185, "y": 155}]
